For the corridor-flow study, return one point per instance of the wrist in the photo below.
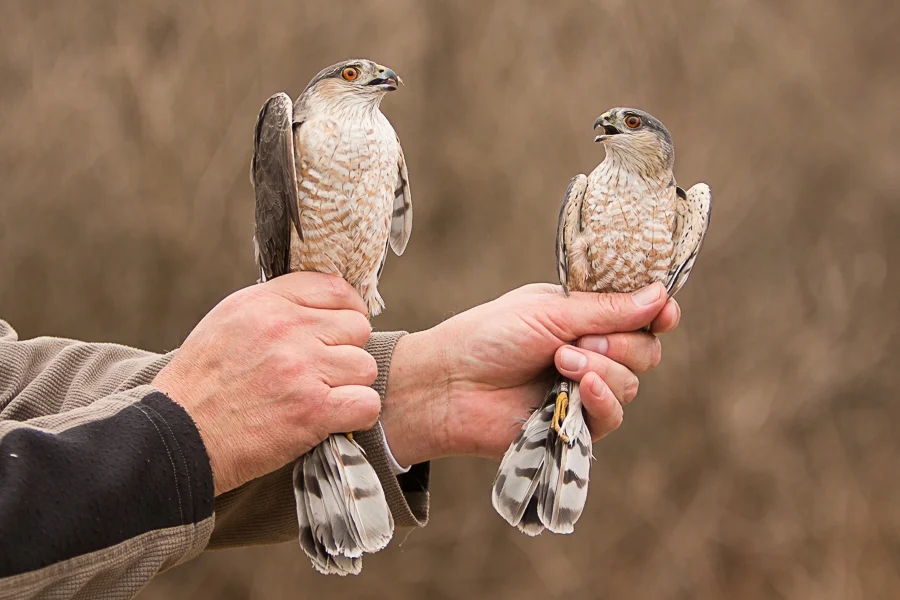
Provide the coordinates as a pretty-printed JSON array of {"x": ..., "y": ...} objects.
[
  {"x": 174, "y": 388},
  {"x": 415, "y": 401}
]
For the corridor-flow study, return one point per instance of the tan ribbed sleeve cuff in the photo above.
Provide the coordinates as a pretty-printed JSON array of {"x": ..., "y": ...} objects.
[
  {"x": 407, "y": 493},
  {"x": 262, "y": 511}
]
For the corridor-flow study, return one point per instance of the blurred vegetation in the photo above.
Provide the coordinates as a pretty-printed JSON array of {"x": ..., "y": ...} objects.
[{"x": 760, "y": 460}]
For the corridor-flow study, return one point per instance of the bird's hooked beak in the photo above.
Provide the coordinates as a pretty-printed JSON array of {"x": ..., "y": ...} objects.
[
  {"x": 609, "y": 130},
  {"x": 387, "y": 80}
]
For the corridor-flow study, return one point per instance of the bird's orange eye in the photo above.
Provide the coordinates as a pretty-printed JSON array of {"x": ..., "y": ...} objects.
[
  {"x": 633, "y": 121},
  {"x": 350, "y": 73}
]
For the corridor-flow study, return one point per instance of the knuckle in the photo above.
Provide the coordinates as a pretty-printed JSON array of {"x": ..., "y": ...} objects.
[
  {"x": 276, "y": 327},
  {"x": 369, "y": 406},
  {"x": 359, "y": 327},
  {"x": 339, "y": 288},
  {"x": 631, "y": 389},
  {"x": 368, "y": 369},
  {"x": 616, "y": 421},
  {"x": 284, "y": 364},
  {"x": 655, "y": 353},
  {"x": 609, "y": 303},
  {"x": 308, "y": 400},
  {"x": 602, "y": 366}
]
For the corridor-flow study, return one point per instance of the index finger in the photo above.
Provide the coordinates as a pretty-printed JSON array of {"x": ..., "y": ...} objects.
[{"x": 317, "y": 290}]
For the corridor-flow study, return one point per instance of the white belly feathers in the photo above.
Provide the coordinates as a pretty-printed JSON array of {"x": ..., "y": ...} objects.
[{"x": 347, "y": 171}]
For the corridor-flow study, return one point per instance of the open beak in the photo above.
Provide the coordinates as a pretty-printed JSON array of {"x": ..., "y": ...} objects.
[
  {"x": 608, "y": 129},
  {"x": 387, "y": 80}
]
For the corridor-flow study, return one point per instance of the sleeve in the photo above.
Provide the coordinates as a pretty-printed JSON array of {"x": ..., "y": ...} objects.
[
  {"x": 262, "y": 511},
  {"x": 104, "y": 481}
]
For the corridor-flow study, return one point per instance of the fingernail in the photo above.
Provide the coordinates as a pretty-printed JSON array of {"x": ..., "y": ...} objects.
[
  {"x": 595, "y": 343},
  {"x": 647, "y": 295},
  {"x": 572, "y": 360},
  {"x": 597, "y": 386}
]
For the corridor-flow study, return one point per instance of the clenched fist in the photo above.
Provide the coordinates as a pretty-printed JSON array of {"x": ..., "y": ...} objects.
[
  {"x": 466, "y": 385},
  {"x": 272, "y": 370}
]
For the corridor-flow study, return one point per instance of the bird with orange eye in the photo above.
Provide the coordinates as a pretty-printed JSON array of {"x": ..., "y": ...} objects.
[
  {"x": 623, "y": 121},
  {"x": 364, "y": 73},
  {"x": 632, "y": 121},
  {"x": 328, "y": 171}
]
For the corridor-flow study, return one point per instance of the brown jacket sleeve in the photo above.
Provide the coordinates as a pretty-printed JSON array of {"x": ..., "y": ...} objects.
[
  {"x": 104, "y": 481},
  {"x": 77, "y": 416}
]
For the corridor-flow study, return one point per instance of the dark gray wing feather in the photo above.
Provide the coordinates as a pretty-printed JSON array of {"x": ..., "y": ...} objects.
[
  {"x": 569, "y": 218},
  {"x": 274, "y": 181}
]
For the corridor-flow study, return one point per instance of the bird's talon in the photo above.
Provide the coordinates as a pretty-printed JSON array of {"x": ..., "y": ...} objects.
[{"x": 559, "y": 415}]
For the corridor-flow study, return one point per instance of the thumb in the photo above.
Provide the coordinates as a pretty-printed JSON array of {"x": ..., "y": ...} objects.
[
  {"x": 317, "y": 290},
  {"x": 585, "y": 313}
]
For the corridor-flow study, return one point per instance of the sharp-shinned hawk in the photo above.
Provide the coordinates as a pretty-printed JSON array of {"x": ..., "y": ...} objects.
[
  {"x": 625, "y": 226},
  {"x": 332, "y": 195}
]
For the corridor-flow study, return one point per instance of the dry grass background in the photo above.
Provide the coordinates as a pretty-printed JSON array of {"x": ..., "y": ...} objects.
[{"x": 761, "y": 458}]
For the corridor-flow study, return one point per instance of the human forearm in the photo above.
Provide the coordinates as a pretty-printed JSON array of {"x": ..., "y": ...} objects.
[
  {"x": 122, "y": 485},
  {"x": 414, "y": 415}
]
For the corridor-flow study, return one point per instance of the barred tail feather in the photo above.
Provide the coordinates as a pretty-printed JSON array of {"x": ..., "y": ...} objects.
[
  {"x": 364, "y": 500},
  {"x": 329, "y": 520},
  {"x": 542, "y": 481},
  {"x": 516, "y": 485},
  {"x": 565, "y": 484},
  {"x": 315, "y": 549},
  {"x": 341, "y": 508}
]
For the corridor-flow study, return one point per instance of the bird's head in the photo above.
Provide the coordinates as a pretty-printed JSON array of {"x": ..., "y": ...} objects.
[
  {"x": 357, "y": 80},
  {"x": 637, "y": 139}
]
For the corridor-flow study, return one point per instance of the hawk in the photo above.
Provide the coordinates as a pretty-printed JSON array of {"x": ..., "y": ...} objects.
[
  {"x": 625, "y": 226},
  {"x": 332, "y": 195}
]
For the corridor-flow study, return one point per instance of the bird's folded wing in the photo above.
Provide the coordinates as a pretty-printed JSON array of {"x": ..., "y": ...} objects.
[
  {"x": 274, "y": 181},
  {"x": 401, "y": 218},
  {"x": 568, "y": 225},
  {"x": 692, "y": 214}
]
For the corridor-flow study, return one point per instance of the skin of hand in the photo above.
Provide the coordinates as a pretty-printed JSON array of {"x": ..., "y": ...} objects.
[
  {"x": 466, "y": 385},
  {"x": 272, "y": 370}
]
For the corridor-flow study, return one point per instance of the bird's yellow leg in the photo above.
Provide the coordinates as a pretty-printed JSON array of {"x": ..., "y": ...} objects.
[
  {"x": 349, "y": 436},
  {"x": 559, "y": 415}
]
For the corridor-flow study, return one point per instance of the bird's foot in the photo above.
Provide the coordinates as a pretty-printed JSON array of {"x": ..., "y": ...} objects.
[
  {"x": 349, "y": 436},
  {"x": 559, "y": 415}
]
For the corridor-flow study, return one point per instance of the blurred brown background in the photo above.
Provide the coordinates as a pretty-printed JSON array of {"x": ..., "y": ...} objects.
[{"x": 761, "y": 459}]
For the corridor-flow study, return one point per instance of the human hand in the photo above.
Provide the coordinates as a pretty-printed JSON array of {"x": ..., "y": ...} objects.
[
  {"x": 272, "y": 370},
  {"x": 464, "y": 386}
]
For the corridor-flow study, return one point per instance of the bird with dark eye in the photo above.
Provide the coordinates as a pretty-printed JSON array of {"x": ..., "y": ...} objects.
[
  {"x": 632, "y": 121},
  {"x": 350, "y": 74}
]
